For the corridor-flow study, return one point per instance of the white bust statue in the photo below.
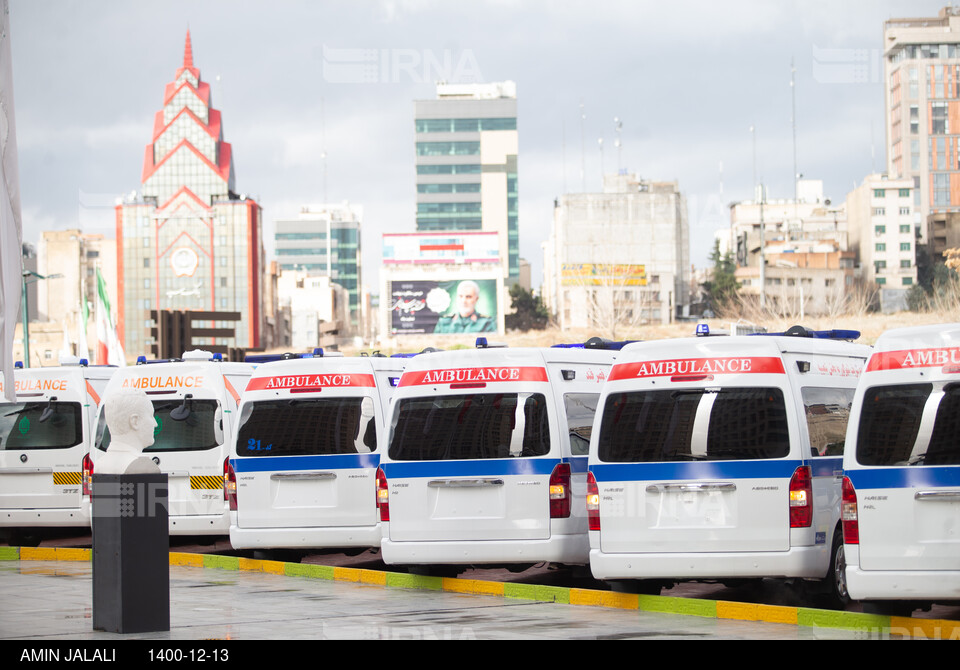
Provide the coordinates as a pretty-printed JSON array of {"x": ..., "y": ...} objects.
[{"x": 129, "y": 416}]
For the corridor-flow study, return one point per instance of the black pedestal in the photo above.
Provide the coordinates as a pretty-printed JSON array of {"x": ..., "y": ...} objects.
[{"x": 131, "y": 559}]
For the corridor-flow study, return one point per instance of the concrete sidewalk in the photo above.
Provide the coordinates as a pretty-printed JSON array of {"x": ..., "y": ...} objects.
[{"x": 264, "y": 600}]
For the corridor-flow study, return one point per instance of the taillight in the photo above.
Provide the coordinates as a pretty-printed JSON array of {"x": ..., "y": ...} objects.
[
  {"x": 801, "y": 498},
  {"x": 229, "y": 484},
  {"x": 560, "y": 491},
  {"x": 848, "y": 513},
  {"x": 383, "y": 496},
  {"x": 593, "y": 502},
  {"x": 86, "y": 476}
]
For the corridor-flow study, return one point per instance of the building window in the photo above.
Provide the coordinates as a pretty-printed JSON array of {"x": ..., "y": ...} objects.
[
  {"x": 905, "y": 228},
  {"x": 879, "y": 211},
  {"x": 904, "y": 246},
  {"x": 905, "y": 264},
  {"x": 904, "y": 211},
  {"x": 941, "y": 190},
  {"x": 879, "y": 265},
  {"x": 881, "y": 280},
  {"x": 880, "y": 246},
  {"x": 939, "y": 122},
  {"x": 879, "y": 230},
  {"x": 907, "y": 281},
  {"x": 146, "y": 262},
  {"x": 904, "y": 192},
  {"x": 879, "y": 193}
]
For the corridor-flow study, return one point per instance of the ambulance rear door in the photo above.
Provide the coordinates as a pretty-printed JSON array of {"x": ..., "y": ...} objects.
[
  {"x": 694, "y": 449},
  {"x": 307, "y": 445},
  {"x": 473, "y": 445}
]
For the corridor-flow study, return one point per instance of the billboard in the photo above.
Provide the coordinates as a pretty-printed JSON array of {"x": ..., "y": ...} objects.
[
  {"x": 453, "y": 247},
  {"x": 603, "y": 274},
  {"x": 443, "y": 307}
]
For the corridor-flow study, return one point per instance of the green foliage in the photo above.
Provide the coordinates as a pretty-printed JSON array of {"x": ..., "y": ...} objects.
[
  {"x": 940, "y": 291},
  {"x": 529, "y": 311},
  {"x": 722, "y": 286}
]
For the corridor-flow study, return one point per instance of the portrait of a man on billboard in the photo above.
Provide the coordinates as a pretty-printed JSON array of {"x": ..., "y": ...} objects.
[{"x": 463, "y": 315}]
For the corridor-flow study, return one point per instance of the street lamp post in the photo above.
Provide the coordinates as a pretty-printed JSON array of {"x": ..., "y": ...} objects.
[{"x": 25, "y": 310}]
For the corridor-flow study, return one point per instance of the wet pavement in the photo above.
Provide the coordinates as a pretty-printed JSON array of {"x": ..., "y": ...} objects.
[{"x": 50, "y": 601}]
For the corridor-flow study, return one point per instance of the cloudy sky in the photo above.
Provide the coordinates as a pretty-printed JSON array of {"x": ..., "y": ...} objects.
[{"x": 687, "y": 79}]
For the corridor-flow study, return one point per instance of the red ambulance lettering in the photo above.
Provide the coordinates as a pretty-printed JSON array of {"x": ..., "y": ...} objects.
[
  {"x": 698, "y": 366},
  {"x": 474, "y": 375},
  {"x": 914, "y": 358},
  {"x": 310, "y": 381}
]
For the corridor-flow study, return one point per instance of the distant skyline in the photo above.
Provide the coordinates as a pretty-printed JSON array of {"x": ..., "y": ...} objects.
[{"x": 297, "y": 80}]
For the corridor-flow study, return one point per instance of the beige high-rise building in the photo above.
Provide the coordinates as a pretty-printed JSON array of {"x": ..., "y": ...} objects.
[
  {"x": 619, "y": 258},
  {"x": 922, "y": 94},
  {"x": 881, "y": 218}
]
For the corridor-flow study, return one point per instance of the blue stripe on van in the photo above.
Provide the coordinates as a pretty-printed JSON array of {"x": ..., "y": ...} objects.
[
  {"x": 901, "y": 478},
  {"x": 480, "y": 468},
  {"x": 630, "y": 472},
  {"x": 578, "y": 464},
  {"x": 288, "y": 463}
]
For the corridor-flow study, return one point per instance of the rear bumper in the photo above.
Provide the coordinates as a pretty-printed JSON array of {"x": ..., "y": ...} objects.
[
  {"x": 799, "y": 562},
  {"x": 314, "y": 538},
  {"x": 899, "y": 584},
  {"x": 567, "y": 549},
  {"x": 203, "y": 524},
  {"x": 45, "y": 518}
]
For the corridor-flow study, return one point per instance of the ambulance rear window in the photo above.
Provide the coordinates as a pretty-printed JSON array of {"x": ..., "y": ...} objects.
[
  {"x": 890, "y": 422},
  {"x": 307, "y": 427},
  {"x": 658, "y": 426},
  {"x": 475, "y": 426},
  {"x": 40, "y": 425}
]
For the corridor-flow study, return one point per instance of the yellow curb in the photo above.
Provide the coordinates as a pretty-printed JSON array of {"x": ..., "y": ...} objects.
[
  {"x": 934, "y": 629},
  {"x": 38, "y": 554},
  {"x": 251, "y": 564},
  {"x": 738, "y": 611},
  {"x": 778, "y": 614},
  {"x": 472, "y": 586},
  {"x": 187, "y": 560},
  {"x": 347, "y": 574},
  {"x": 591, "y": 597},
  {"x": 73, "y": 554},
  {"x": 377, "y": 577},
  {"x": 272, "y": 567}
]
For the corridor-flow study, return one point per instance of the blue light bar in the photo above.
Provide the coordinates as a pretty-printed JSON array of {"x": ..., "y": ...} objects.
[
  {"x": 703, "y": 330},
  {"x": 835, "y": 334},
  {"x": 596, "y": 343},
  {"x": 18, "y": 365}
]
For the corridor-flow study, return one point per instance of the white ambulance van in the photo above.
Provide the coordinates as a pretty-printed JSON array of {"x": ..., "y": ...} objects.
[
  {"x": 195, "y": 403},
  {"x": 306, "y": 452},
  {"x": 487, "y": 458},
  {"x": 720, "y": 458},
  {"x": 44, "y": 437},
  {"x": 901, "y": 494}
]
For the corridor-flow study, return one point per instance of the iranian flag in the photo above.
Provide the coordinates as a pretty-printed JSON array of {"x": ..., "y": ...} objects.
[{"x": 109, "y": 349}]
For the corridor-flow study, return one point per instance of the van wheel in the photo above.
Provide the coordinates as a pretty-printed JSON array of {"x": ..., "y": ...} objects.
[{"x": 837, "y": 596}]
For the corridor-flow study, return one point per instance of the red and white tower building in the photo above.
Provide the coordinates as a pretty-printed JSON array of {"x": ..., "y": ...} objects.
[{"x": 188, "y": 241}]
